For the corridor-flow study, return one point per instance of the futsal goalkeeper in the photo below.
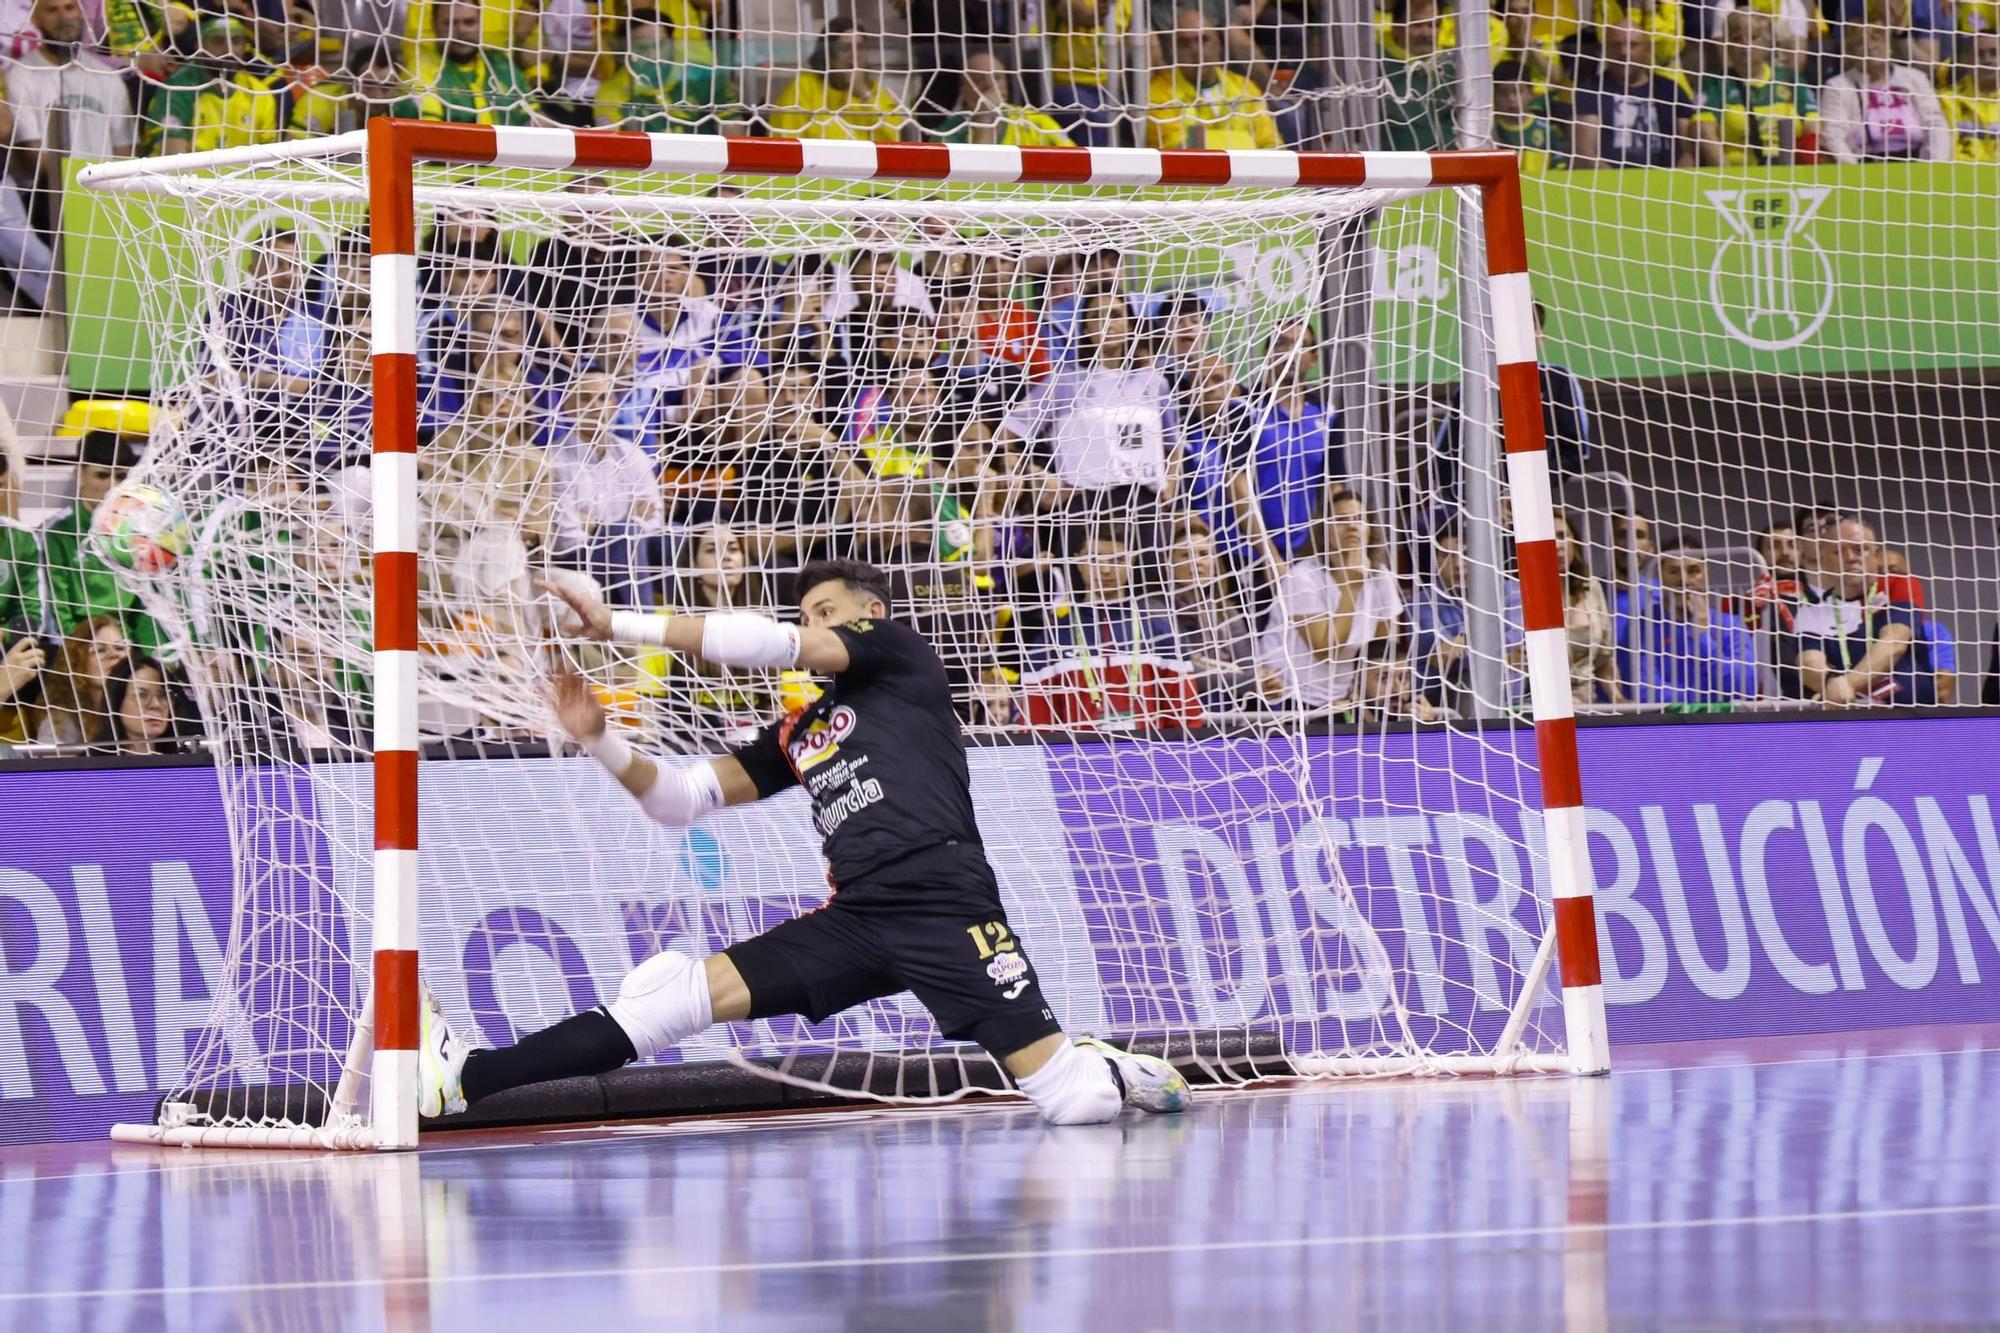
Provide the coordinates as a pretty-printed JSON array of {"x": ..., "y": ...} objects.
[{"x": 915, "y": 905}]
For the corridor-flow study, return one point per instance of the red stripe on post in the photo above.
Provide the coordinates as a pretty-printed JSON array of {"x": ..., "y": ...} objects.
[
  {"x": 1576, "y": 941},
  {"x": 437, "y": 141},
  {"x": 1332, "y": 169},
  {"x": 1471, "y": 168},
  {"x": 396, "y": 601},
  {"x": 1187, "y": 166},
  {"x": 1555, "y": 753},
  {"x": 392, "y": 213},
  {"x": 395, "y": 416},
  {"x": 1521, "y": 408},
  {"x": 613, "y": 149},
  {"x": 1506, "y": 234},
  {"x": 766, "y": 157},
  {"x": 1541, "y": 585},
  {"x": 396, "y": 800},
  {"x": 1053, "y": 166},
  {"x": 913, "y": 161},
  {"x": 397, "y": 1023}
]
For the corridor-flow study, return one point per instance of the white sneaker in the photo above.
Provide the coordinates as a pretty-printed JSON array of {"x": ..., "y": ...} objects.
[
  {"x": 440, "y": 1058},
  {"x": 1150, "y": 1083}
]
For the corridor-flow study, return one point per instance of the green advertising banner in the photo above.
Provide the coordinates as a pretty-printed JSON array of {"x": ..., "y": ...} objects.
[{"x": 1809, "y": 270}]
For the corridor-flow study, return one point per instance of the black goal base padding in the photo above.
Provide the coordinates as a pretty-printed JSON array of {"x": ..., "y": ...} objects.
[{"x": 646, "y": 1092}]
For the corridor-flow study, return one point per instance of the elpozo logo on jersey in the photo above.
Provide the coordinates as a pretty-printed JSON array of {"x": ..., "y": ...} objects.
[{"x": 821, "y": 741}]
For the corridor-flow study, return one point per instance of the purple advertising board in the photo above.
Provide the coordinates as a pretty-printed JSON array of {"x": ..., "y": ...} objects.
[{"x": 1753, "y": 878}]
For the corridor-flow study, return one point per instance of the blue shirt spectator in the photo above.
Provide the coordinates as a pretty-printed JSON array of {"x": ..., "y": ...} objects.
[
  {"x": 271, "y": 328},
  {"x": 1627, "y": 112},
  {"x": 1438, "y": 622},
  {"x": 1700, "y": 654}
]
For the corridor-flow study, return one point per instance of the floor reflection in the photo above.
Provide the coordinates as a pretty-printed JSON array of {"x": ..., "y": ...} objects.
[{"x": 1849, "y": 1184}]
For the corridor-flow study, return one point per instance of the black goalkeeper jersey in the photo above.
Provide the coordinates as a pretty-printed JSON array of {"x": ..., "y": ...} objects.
[{"x": 880, "y": 754}]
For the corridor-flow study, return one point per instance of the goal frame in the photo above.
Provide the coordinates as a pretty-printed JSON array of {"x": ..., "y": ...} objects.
[{"x": 386, "y": 1032}]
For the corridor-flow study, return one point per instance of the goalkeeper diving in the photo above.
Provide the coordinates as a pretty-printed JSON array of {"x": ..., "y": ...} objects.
[{"x": 915, "y": 906}]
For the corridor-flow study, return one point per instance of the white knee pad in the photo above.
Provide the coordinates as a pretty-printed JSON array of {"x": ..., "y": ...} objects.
[
  {"x": 1075, "y": 1087},
  {"x": 662, "y": 1001}
]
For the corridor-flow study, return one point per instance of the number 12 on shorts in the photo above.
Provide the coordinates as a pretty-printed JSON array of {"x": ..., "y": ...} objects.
[{"x": 991, "y": 937}]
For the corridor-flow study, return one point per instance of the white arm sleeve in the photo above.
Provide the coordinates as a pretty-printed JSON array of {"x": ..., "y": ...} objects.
[
  {"x": 743, "y": 639},
  {"x": 682, "y": 793}
]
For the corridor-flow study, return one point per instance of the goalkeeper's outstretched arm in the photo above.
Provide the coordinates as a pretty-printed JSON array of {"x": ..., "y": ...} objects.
[
  {"x": 676, "y": 795},
  {"x": 730, "y": 638}
]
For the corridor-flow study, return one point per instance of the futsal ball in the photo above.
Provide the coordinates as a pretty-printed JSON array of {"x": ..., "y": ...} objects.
[{"x": 140, "y": 528}]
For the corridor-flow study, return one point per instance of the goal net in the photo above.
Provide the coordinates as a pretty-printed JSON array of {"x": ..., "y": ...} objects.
[{"x": 1269, "y": 720}]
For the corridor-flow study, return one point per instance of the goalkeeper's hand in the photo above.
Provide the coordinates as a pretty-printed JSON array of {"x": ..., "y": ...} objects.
[
  {"x": 593, "y": 615},
  {"x": 577, "y": 708}
]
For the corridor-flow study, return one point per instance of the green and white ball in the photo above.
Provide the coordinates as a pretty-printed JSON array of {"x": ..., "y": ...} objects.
[{"x": 140, "y": 528}]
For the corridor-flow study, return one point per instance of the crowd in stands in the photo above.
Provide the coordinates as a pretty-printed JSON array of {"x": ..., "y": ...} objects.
[
  {"x": 1099, "y": 517},
  {"x": 1075, "y": 480}
]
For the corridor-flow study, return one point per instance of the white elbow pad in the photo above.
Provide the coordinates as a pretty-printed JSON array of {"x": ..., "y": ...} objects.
[
  {"x": 744, "y": 639},
  {"x": 681, "y": 794}
]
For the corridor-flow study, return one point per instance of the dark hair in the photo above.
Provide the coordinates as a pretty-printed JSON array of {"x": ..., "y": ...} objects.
[
  {"x": 118, "y": 684},
  {"x": 856, "y": 574},
  {"x": 107, "y": 448},
  {"x": 1509, "y": 71},
  {"x": 838, "y": 26}
]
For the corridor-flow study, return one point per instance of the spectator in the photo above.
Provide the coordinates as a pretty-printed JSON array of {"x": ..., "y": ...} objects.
[
  {"x": 1877, "y": 110},
  {"x": 1197, "y": 103},
  {"x": 989, "y": 110},
  {"x": 272, "y": 333},
  {"x": 463, "y": 80},
  {"x": 1417, "y": 108},
  {"x": 1177, "y": 338},
  {"x": 375, "y": 86},
  {"x": 1751, "y": 109},
  {"x": 1566, "y": 427},
  {"x": 21, "y": 601},
  {"x": 1081, "y": 38},
  {"x": 1291, "y": 443},
  {"x": 75, "y": 710},
  {"x": 1973, "y": 105},
  {"x": 1777, "y": 584},
  {"x": 1520, "y": 119},
  {"x": 79, "y": 585},
  {"x": 946, "y": 36},
  {"x": 1103, "y": 424},
  {"x": 139, "y": 697},
  {"x": 499, "y": 504},
  {"x": 1706, "y": 654},
  {"x": 1795, "y": 26},
  {"x": 1892, "y": 572},
  {"x": 1660, "y": 20},
  {"x": 676, "y": 329},
  {"x": 1593, "y": 664},
  {"x": 667, "y": 80},
  {"x": 990, "y": 344},
  {"x": 1286, "y": 50},
  {"x": 1217, "y": 641},
  {"x": 711, "y": 572},
  {"x": 1438, "y": 618},
  {"x": 1072, "y": 278},
  {"x": 1629, "y": 113},
  {"x": 25, "y": 258},
  {"x": 1849, "y": 644},
  {"x": 339, "y": 408},
  {"x": 607, "y": 504},
  {"x": 1916, "y": 29},
  {"x": 1636, "y": 611},
  {"x": 1335, "y": 620},
  {"x": 225, "y": 98},
  {"x": 567, "y": 80},
  {"x": 838, "y": 97},
  {"x": 578, "y": 274},
  {"x": 64, "y": 73}
]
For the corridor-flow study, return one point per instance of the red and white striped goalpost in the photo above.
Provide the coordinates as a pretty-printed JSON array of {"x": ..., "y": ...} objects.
[{"x": 393, "y": 149}]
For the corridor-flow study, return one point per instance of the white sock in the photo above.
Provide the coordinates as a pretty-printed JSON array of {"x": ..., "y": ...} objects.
[{"x": 1075, "y": 1087}]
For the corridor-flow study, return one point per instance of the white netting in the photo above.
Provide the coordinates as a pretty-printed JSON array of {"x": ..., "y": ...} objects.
[{"x": 1125, "y": 453}]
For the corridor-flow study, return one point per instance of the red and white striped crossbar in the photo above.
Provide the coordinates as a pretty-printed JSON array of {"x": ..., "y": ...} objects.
[{"x": 394, "y": 147}]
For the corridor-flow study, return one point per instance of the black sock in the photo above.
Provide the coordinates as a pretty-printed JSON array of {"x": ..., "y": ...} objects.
[{"x": 587, "y": 1043}]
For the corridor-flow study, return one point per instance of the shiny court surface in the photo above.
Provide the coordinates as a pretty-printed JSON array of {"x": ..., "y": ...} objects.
[{"x": 1843, "y": 1181}]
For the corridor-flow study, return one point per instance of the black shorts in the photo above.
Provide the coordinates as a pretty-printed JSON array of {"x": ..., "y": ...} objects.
[{"x": 947, "y": 943}]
